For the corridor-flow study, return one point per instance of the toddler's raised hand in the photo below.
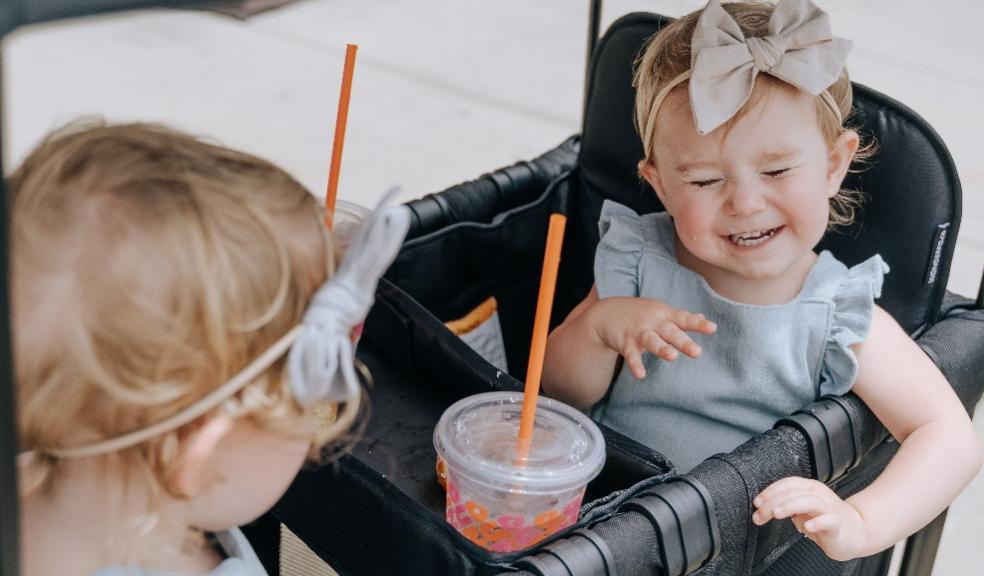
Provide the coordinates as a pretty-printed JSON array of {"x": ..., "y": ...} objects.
[
  {"x": 818, "y": 513},
  {"x": 631, "y": 326}
]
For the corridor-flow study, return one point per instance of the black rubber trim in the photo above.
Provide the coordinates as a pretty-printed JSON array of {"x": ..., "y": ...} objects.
[
  {"x": 835, "y": 447},
  {"x": 514, "y": 177},
  {"x": 583, "y": 553},
  {"x": 543, "y": 564},
  {"x": 682, "y": 514}
]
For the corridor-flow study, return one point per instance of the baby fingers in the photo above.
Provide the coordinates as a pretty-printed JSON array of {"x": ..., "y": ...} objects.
[
  {"x": 692, "y": 322},
  {"x": 655, "y": 343},
  {"x": 633, "y": 360},
  {"x": 822, "y": 523},
  {"x": 786, "y": 484},
  {"x": 677, "y": 338},
  {"x": 792, "y": 503}
]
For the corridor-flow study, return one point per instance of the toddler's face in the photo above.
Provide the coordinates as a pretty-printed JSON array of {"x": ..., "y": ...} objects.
[{"x": 750, "y": 200}]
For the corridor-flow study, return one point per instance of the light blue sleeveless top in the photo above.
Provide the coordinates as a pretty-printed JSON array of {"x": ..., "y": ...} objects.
[{"x": 763, "y": 363}]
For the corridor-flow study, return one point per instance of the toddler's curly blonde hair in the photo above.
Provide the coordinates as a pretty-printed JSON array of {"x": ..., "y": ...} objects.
[{"x": 148, "y": 268}]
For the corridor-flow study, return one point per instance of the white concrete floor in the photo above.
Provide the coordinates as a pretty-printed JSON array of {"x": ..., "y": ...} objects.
[{"x": 446, "y": 90}]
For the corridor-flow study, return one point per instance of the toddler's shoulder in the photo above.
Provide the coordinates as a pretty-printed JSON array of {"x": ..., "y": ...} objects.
[
  {"x": 626, "y": 239},
  {"x": 833, "y": 280},
  {"x": 623, "y": 229},
  {"x": 851, "y": 292}
]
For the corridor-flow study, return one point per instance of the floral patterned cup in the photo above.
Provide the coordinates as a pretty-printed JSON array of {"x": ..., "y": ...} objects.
[{"x": 504, "y": 501}]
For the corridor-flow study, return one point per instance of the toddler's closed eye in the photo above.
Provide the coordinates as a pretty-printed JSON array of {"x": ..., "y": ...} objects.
[{"x": 704, "y": 183}]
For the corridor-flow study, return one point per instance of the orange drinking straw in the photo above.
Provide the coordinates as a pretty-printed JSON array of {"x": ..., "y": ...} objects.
[
  {"x": 541, "y": 324},
  {"x": 340, "y": 121}
]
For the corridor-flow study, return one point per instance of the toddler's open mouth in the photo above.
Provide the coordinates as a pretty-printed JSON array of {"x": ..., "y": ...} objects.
[{"x": 754, "y": 237}]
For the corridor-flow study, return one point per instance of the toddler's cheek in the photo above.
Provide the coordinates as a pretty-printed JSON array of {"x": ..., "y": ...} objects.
[{"x": 694, "y": 235}]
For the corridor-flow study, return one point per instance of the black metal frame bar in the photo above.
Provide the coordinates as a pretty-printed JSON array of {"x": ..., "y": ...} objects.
[
  {"x": 9, "y": 511},
  {"x": 594, "y": 25},
  {"x": 980, "y": 294},
  {"x": 9, "y": 515}
]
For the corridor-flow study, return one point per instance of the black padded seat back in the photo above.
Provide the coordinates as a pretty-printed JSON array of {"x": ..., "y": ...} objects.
[
  {"x": 912, "y": 209},
  {"x": 910, "y": 217}
]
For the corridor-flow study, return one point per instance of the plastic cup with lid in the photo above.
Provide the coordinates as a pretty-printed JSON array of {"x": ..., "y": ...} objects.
[{"x": 500, "y": 499}]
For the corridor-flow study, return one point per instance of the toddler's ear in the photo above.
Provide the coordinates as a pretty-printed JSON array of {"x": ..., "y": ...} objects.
[
  {"x": 191, "y": 470},
  {"x": 841, "y": 155},
  {"x": 649, "y": 172}
]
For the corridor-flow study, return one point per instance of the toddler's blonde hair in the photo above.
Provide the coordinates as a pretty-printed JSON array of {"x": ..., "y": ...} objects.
[
  {"x": 667, "y": 55},
  {"x": 148, "y": 268}
]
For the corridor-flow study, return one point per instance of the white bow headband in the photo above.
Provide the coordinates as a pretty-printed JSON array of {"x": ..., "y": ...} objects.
[
  {"x": 799, "y": 49},
  {"x": 320, "y": 364}
]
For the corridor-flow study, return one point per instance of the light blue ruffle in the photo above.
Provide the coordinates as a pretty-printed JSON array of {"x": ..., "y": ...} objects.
[{"x": 854, "y": 308}]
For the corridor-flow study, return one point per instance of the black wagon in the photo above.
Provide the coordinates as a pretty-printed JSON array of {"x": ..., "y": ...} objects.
[{"x": 484, "y": 238}]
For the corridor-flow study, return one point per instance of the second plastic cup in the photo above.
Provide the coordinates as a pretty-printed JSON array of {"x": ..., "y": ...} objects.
[
  {"x": 346, "y": 221},
  {"x": 495, "y": 497},
  {"x": 348, "y": 218}
]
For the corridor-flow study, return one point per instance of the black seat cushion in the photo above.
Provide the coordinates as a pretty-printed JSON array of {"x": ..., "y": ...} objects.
[{"x": 910, "y": 217}]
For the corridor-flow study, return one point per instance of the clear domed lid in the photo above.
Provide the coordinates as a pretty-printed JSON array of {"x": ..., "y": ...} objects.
[{"x": 478, "y": 438}]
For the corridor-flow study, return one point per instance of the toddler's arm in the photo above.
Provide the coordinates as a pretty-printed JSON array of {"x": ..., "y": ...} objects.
[
  {"x": 938, "y": 456},
  {"x": 583, "y": 351}
]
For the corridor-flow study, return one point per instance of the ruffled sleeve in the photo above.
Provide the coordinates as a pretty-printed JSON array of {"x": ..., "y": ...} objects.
[
  {"x": 854, "y": 307},
  {"x": 620, "y": 249}
]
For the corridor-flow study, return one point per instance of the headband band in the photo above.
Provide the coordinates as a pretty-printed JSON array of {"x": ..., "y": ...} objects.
[{"x": 658, "y": 102}]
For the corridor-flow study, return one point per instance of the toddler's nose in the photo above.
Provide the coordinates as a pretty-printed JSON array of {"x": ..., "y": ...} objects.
[{"x": 746, "y": 198}]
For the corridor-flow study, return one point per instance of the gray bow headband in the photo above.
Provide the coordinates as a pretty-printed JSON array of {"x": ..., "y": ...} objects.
[
  {"x": 799, "y": 49},
  {"x": 320, "y": 364}
]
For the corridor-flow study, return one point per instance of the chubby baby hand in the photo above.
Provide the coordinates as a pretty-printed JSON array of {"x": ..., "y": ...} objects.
[
  {"x": 818, "y": 513},
  {"x": 632, "y": 326}
]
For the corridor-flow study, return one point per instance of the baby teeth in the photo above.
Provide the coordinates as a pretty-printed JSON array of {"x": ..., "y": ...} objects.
[{"x": 752, "y": 238}]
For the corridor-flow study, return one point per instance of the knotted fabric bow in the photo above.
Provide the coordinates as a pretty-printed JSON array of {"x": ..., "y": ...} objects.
[
  {"x": 320, "y": 362},
  {"x": 799, "y": 49}
]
